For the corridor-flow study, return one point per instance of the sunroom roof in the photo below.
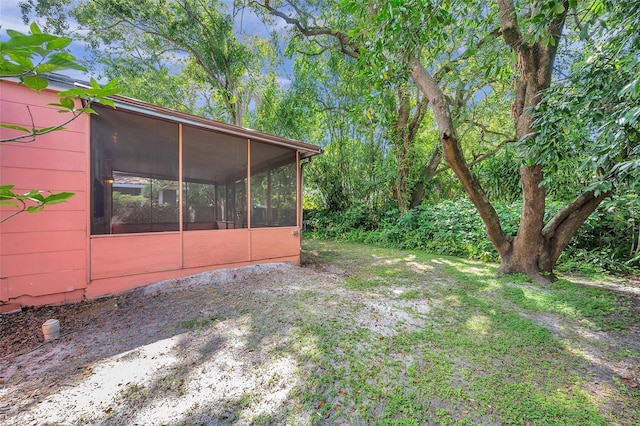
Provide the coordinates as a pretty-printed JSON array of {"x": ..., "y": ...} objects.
[{"x": 129, "y": 104}]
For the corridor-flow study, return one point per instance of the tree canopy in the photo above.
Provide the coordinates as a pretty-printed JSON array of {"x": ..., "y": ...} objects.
[{"x": 520, "y": 41}]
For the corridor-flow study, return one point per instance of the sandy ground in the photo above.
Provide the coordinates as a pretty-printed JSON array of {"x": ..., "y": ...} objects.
[
  {"x": 205, "y": 349},
  {"x": 188, "y": 346}
]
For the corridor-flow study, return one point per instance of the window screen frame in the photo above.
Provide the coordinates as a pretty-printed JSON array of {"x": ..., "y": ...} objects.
[{"x": 236, "y": 187}]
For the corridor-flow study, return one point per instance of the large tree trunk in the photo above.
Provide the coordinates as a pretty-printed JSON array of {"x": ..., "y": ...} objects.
[
  {"x": 535, "y": 249},
  {"x": 538, "y": 257},
  {"x": 529, "y": 252}
]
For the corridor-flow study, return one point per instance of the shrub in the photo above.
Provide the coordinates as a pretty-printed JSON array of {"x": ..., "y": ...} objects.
[{"x": 605, "y": 243}]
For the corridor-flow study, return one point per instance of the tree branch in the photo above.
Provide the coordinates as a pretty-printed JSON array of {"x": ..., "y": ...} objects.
[
  {"x": 448, "y": 67},
  {"x": 579, "y": 25},
  {"x": 561, "y": 228},
  {"x": 31, "y": 136},
  {"x": 485, "y": 129},
  {"x": 416, "y": 121},
  {"x": 346, "y": 45},
  {"x": 509, "y": 24},
  {"x": 21, "y": 210},
  {"x": 454, "y": 157},
  {"x": 480, "y": 158},
  {"x": 557, "y": 220}
]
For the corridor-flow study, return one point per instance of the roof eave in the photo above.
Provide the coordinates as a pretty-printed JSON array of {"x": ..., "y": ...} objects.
[{"x": 306, "y": 150}]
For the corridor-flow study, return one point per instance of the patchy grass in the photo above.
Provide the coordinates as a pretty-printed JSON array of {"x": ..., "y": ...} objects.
[
  {"x": 197, "y": 323},
  {"x": 596, "y": 308},
  {"x": 480, "y": 356}
]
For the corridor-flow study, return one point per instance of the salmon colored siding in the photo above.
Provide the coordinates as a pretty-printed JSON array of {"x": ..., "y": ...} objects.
[
  {"x": 57, "y": 283},
  {"x": 272, "y": 243},
  {"x": 51, "y": 258},
  {"x": 131, "y": 254},
  {"x": 45, "y": 221},
  {"x": 42, "y": 242},
  {"x": 56, "y": 180},
  {"x": 43, "y": 256},
  {"x": 28, "y": 157},
  {"x": 202, "y": 248}
]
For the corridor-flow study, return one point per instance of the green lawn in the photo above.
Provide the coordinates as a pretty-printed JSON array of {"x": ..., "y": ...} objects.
[{"x": 424, "y": 339}]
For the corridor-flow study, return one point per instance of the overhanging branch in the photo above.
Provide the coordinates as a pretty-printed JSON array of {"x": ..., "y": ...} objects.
[
  {"x": 346, "y": 44},
  {"x": 448, "y": 67},
  {"x": 480, "y": 158},
  {"x": 34, "y": 132}
]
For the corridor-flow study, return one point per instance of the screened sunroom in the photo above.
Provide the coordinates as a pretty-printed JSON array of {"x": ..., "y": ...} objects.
[
  {"x": 173, "y": 191},
  {"x": 151, "y": 175}
]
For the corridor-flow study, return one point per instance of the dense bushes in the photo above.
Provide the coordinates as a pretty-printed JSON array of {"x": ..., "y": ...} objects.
[{"x": 607, "y": 241}]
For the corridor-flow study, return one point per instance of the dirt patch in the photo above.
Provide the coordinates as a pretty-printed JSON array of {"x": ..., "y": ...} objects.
[
  {"x": 190, "y": 340},
  {"x": 224, "y": 347},
  {"x": 203, "y": 346}
]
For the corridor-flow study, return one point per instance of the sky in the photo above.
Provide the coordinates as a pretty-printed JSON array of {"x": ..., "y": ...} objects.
[{"x": 10, "y": 16}]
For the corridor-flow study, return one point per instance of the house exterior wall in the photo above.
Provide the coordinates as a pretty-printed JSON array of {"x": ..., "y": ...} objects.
[
  {"x": 134, "y": 254},
  {"x": 43, "y": 256},
  {"x": 51, "y": 258}
]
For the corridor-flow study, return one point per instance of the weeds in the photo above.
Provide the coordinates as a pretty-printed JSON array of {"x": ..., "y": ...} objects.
[
  {"x": 595, "y": 308},
  {"x": 477, "y": 358}
]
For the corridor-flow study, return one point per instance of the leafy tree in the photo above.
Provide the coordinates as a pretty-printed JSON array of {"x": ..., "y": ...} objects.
[
  {"x": 594, "y": 111},
  {"x": 151, "y": 80},
  {"x": 533, "y": 32},
  {"x": 192, "y": 39},
  {"x": 357, "y": 165},
  {"x": 415, "y": 38},
  {"x": 394, "y": 101},
  {"x": 27, "y": 57},
  {"x": 395, "y": 108}
]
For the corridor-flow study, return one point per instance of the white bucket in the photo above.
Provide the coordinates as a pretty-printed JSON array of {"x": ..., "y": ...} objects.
[{"x": 51, "y": 329}]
